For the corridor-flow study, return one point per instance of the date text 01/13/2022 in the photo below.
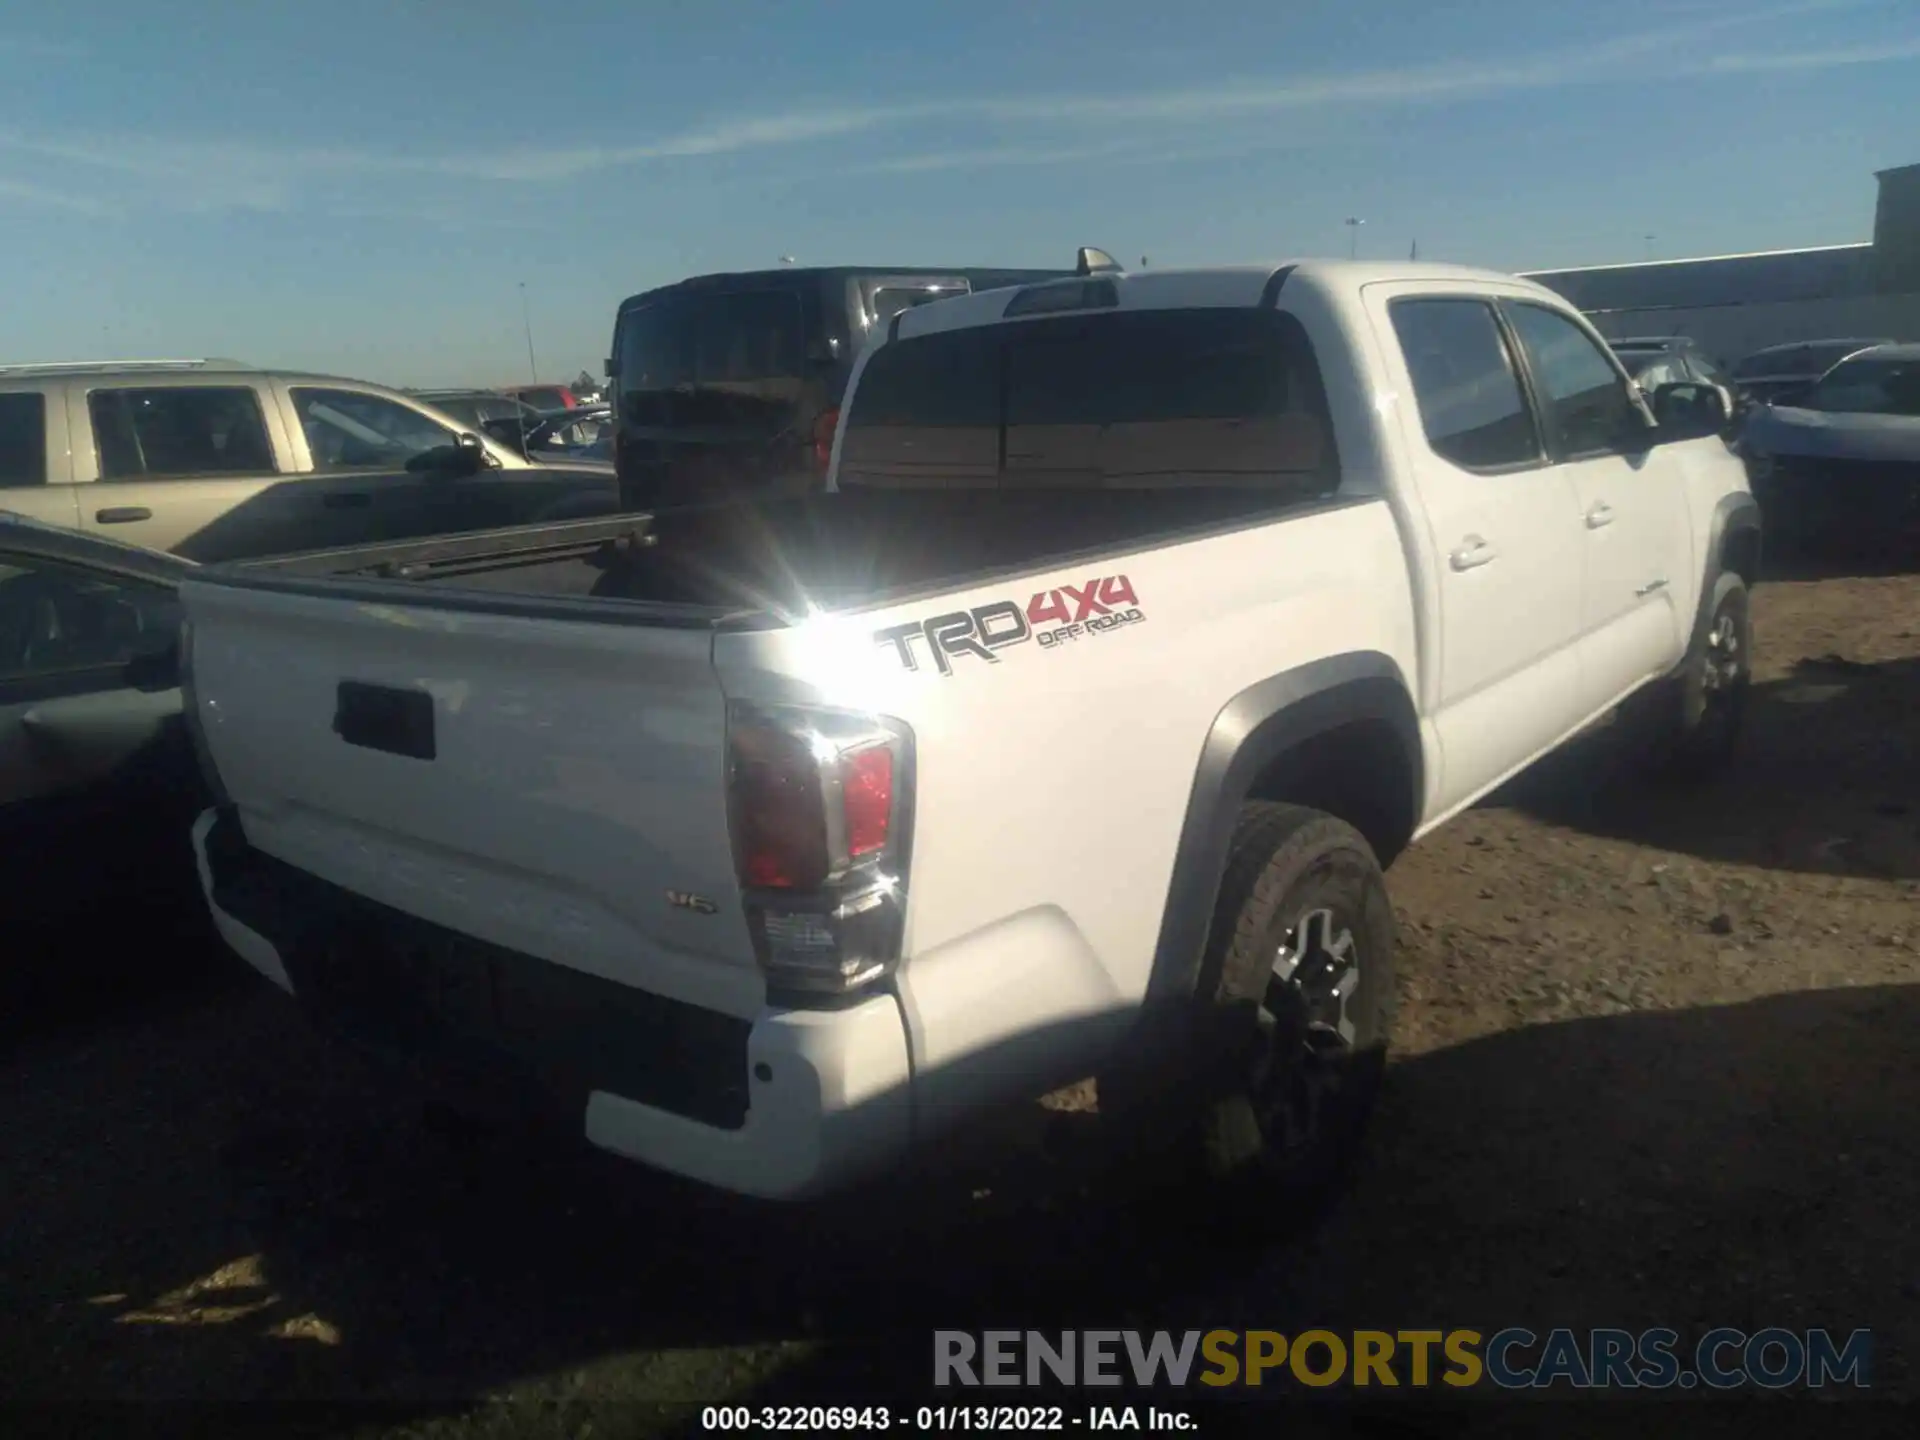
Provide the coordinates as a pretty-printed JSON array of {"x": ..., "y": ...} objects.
[
  {"x": 941, "y": 1419},
  {"x": 1051, "y": 617}
]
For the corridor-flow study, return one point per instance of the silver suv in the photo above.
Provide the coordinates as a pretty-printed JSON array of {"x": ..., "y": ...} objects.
[{"x": 216, "y": 460}]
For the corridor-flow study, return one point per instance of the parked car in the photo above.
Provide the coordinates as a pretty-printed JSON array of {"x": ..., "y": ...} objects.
[
  {"x": 1843, "y": 460},
  {"x": 213, "y": 460},
  {"x": 544, "y": 397},
  {"x": 570, "y": 432},
  {"x": 1067, "y": 731},
  {"x": 98, "y": 783},
  {"x": 1776, "y": 374},
  {"x": 480, "y": 409},
  {"x": 730, "y": 384}
]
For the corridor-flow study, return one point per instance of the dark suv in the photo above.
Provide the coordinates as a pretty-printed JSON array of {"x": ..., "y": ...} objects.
[{"x": 725, "y": 385}]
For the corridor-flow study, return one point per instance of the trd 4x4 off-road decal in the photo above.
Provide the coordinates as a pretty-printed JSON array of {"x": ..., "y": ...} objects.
[{"x": 1052, "y": 617}]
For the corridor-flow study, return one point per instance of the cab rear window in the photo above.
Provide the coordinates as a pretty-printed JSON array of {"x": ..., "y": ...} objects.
[{"x": 1151, "y": 399}]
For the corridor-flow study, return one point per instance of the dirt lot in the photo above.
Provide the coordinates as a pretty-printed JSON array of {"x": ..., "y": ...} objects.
[{"x": 1656, "y": 1067}]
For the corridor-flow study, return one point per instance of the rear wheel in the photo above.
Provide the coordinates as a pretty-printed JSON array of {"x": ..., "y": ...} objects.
[{"x": 1295, "y": 1003}]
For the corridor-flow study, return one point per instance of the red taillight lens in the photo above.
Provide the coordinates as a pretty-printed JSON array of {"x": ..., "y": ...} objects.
[
  {"x": 823, "y": 429},
  {"x": 779, "y": 823},
  {"x": 568, "y": 399},
  {"x": 812, "y": 798},
  {"x": 866, "y": 795}
]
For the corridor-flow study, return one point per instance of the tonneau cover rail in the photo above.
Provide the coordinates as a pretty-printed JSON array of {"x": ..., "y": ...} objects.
[
  {"x": 450, "y": 554},
  {"x": 391, "y": 574}
]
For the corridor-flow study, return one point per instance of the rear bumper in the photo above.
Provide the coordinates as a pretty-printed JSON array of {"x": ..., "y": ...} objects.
[{"x": 790, "y": 1104}]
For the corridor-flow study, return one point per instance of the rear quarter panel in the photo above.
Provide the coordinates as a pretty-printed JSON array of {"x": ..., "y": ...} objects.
[{"x": 1053, "y": 779}]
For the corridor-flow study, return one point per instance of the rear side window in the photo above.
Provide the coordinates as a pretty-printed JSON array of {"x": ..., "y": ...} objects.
[
  {"x": 55, "y": 619},
  {"x": 1148, "y": 399},
  {"x": 189, "y": 430},
  {"x": 1588, "y": 409},
  {"x": 1471, "y": 405},
  {"x": 23, "y": 439},
  {"x": 685, "y": 347},
  {"x": 890, "y": 300}
]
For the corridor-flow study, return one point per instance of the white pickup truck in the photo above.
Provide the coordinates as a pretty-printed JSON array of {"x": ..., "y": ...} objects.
[{"x": 1145, "y": 618}]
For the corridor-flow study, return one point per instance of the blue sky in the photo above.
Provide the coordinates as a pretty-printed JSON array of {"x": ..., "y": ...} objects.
[{"x": 361, "y": 187}]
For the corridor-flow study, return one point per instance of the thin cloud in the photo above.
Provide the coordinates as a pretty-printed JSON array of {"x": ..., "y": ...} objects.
[
  {"x": 201, "y": 174},
  {"x": 1813, "y": 59},
  {"x": 991, "y": 158},
  {"x": 24, "y": 194},
  {"x": 1139, "y": 152},
  {"x": 35, "y": 47},
  {"x": 1444, "y": 81}
]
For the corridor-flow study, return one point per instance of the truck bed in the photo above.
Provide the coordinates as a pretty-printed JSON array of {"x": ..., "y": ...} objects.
[{"x": 829, "y": 551}]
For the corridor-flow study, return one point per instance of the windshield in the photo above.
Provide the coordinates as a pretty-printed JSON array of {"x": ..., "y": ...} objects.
[{"x": 1870, "y": 386}]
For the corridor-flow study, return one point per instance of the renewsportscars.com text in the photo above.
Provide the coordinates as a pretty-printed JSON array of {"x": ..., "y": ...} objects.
[{"x": 1514, "y": 1358}]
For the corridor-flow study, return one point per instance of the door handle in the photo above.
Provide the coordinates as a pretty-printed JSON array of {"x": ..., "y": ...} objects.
[
  {"x": 346, "y": 500},
  {"x": 122, "y": 514},
  {"x": 1473, "y": 553},
  {"x": 1600, "y": 516}
]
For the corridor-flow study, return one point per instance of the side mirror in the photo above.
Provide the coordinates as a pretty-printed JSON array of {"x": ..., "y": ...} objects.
[
  {"x": 1687, "y": 410},
  {"x": 155, "y": 670},
  {"x": 465, "y": 456}
]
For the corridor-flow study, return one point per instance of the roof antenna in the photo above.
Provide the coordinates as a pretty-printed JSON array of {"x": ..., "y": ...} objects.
[{"x": 1095, "y": 262}]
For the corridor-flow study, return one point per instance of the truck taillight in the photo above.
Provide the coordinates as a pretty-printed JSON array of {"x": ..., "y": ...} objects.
[
  {"x": 823, "y": 429},
  {"x": 818, "y": 802},
  {"x": 195, "y": 722}
]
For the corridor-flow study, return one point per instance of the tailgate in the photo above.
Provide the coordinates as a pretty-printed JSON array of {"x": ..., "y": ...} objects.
[{"x": 535, "y": 782}]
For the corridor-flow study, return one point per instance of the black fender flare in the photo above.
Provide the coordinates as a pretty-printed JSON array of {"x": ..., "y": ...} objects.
[
  {"x": 1251, "y": 731},
  {"x": 1735, "y": 514}
]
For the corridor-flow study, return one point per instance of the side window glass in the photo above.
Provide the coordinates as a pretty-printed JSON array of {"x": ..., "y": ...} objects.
[
  {"x": 23, "y": 439},
  {"x": 1471, "y": 405},
  {"x": 348, "y": 430},
  {"x": 1587, "y": 407},
  {"x": 55, "y": 619},
  {"x": 179, "y": 432},
  {"x": 1706, "y": 370},
  {"x": 1661, "y": 372}
]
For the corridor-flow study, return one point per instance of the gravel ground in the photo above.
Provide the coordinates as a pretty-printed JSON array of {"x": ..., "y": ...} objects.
[{"x": 1654, "y": 1067}]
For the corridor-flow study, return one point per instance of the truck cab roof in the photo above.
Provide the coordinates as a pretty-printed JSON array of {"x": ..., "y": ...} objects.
[{"x": 1224, "y": 286}]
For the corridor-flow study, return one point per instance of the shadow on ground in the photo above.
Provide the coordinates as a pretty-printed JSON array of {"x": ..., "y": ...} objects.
[
  {"x": 1861, "y": 557},
  {"x": 1827, "y": 780},
  {"x": 227, "y": 1207}
]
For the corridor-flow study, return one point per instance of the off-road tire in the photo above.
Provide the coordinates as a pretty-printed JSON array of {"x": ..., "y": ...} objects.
[{"x": 1286, "y": 863}]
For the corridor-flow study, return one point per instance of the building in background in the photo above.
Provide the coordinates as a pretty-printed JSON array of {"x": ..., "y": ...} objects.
[{"x": 1736, "y": 304}]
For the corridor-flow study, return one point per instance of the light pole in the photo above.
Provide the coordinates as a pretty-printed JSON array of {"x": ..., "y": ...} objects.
[
  {"x": 1649, "y": 240},
  {"x": 526, "y": 319},
  {"x": 1353, "y": 223}
]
